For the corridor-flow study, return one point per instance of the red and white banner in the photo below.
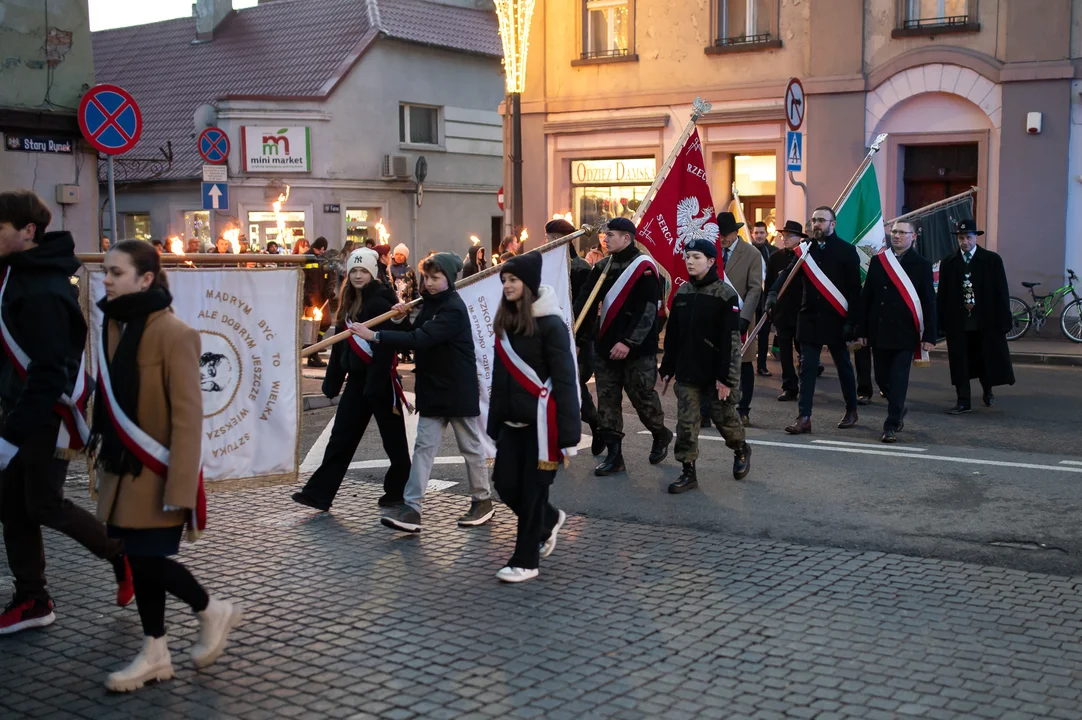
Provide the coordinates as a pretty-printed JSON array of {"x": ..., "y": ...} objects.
[
  {"x": 905, "y": 287},
  {"x": 548, "y": 448},
  {"x": 682, "y": 210},
  {"x": 822, "y": 283},
  {"x": 617, "y": 294}
]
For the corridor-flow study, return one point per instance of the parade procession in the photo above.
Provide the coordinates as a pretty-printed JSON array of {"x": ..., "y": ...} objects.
[{"x": 513, "y": 400}]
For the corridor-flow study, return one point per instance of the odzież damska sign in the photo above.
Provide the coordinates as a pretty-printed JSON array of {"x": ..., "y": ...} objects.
[
  {"x": 635, "y": 171},
  {"x": 275, "y": 149},
  {"x": 38, "y": 144}
]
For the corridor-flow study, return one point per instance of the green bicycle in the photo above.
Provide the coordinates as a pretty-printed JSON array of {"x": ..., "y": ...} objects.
[{"x": 1023, "y": 316}]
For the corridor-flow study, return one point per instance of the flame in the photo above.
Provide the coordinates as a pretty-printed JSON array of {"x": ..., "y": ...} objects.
[
  {"x": 495, "y": 260},
  {"x": 384, "y": 235},
  {"x": 317, "y": 314},
  {"x": 474, "y": 239},
  {"x": 523, "y": 236},
  {"x": 176, "y": 245},
  {"x": 233, "y": 236},
  {"x": 566, "y": 216},
  {"x": 279, "y": 220}
]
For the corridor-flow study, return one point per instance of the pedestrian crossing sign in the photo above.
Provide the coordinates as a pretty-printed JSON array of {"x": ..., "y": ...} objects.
[{"x": 794, "y": 154}]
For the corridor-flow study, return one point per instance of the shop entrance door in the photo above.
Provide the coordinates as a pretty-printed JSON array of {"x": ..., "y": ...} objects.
[{"x": 935, "y": 172}]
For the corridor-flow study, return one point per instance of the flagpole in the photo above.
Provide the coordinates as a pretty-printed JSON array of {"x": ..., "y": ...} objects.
[
  {"x": 740, "y": 210},
  {"x": 800, "y": 261},
  {"x": 487, "y": 272}
]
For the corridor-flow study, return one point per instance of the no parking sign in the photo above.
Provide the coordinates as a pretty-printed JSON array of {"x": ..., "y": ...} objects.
[{"x": 110, "y": 119}]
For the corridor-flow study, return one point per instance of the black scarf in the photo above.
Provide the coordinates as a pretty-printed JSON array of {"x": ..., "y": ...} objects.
[{"x": 131, "y": 310}]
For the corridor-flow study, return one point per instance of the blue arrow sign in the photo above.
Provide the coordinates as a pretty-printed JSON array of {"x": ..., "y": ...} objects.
[
  {"x": 215, "y": 196},
  {"x": 794, "y": 151}
]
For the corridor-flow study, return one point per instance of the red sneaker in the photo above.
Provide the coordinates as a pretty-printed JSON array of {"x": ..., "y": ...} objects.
[
  {"x": 26, "y": 614},
  {"x": 125, "y": 589}
]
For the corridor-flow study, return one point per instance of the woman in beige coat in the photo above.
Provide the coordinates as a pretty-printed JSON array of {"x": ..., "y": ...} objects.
[{"x": 148, "y": 420}]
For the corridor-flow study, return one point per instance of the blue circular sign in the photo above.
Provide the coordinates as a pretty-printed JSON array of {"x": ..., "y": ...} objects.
[
  {"x": 214, "y": 145},
  {"x": 110, "y": 119}
]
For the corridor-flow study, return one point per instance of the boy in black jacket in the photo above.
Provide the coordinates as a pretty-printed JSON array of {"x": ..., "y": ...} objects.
[
  {"x": 43, "y": 336},
  {"x": 702, "y": 351},
  {"x": 447, "y": 391}
]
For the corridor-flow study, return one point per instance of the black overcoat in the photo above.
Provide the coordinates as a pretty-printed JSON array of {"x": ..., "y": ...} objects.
[{"x": 886, "y": 320}]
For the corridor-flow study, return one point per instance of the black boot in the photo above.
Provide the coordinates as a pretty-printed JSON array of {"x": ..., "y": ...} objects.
[
  {"x": 613, "y": 462},
  {"x": 660, "y": 449},
  {"x": 742, "y": 462},
  {"x": 597, "y": 444},
  {"x": 687, "y": 481}
]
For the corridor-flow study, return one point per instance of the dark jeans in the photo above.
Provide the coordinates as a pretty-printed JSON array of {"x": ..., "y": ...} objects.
[
  {"x": 763, "y": 340},
  {"x": 747, "y": 387},
  {"x": 588, "y": 411},
  {"x": 975, "y": 361},
  {"x": 863, "y": 359},
  {"x": 152, "y": 578},
  {"x": 892, "y": 376},
  {"x": 790, "y": 383},
  {"x": 32, "y": 497},
  {"x": 354, "y": 413},
  {"x": 524, "y": 488},
  {"x": 809, "y": 372}
]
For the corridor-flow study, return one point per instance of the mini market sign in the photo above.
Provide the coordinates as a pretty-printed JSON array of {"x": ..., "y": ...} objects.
[{"x": 276, "y": 149}]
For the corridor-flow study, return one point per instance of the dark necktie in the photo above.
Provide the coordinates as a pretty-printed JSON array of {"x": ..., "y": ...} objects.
[{"x": 725, "y": 256}]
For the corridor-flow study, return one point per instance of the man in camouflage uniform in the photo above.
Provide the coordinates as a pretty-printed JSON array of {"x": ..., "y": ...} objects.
[
  {"x": 702, "y": 351},
  {"x": 625, "y": 344}
]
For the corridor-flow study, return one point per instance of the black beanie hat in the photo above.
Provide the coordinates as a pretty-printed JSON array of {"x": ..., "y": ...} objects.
[{"x": 527, "y": 268}]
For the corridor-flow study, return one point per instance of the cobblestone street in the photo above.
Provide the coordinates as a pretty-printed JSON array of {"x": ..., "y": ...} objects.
[{"x": 346, "y": 619}]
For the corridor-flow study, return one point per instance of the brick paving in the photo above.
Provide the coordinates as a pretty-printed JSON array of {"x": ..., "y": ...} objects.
[{"x": 347, "y": 619}]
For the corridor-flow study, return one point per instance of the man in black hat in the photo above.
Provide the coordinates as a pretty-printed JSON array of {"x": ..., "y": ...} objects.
[
  {"x": 829, "y": 288},
  {"x": 625, "y": 341},
  {"x": 975, "y": 313},
  {"x": 786, "y": 309},
  {"x": 759, "y": 240}
]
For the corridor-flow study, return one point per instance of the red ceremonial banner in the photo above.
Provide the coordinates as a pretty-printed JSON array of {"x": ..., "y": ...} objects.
[{"x": 681, "y": 211}]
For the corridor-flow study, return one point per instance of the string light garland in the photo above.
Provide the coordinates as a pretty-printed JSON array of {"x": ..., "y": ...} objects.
[{"x": 514, "y": 17}]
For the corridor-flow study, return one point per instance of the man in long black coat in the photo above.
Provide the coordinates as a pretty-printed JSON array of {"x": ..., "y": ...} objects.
[
  {"x": 887, "y": 323},
  {"x": 785, "y": 312},
  {"x": 820, "y": 322},
  {"x": 975, "y": 313}
]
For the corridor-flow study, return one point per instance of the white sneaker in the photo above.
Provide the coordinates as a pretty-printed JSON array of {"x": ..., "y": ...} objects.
[
  {"x": 549, "y": 545},
  {"x": 150, "y": 665},
  {"x": 215, "y": 622},
  {"x": 516, "y": 575}
]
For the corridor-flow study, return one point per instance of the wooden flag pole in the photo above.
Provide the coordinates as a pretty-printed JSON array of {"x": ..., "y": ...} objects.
[
  {"x": 800, "y": 261},
  {"x": 391, "y": 314}
]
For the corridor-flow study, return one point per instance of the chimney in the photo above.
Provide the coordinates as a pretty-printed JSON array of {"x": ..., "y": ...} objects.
[{"x": 208, "y": 16}]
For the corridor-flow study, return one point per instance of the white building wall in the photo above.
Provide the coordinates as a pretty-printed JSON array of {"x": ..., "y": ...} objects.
[{"x": 1073, "y": 240}]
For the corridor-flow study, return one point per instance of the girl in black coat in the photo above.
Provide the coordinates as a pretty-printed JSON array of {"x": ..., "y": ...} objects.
[
  {"x": 372, "y": 390},
  {"x": 534, "y": 410}
]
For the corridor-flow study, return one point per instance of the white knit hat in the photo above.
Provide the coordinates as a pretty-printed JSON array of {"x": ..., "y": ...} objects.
[
  {"x": 364, "y": 258},
  {"x": 401, "y": 248}
]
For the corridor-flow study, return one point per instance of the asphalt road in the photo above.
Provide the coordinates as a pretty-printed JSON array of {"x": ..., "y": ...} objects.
[{"x": 997, "y": 486}]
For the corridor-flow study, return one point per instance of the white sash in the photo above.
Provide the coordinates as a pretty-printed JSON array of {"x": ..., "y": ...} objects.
[
  {"x": 614, "y": 298},
  {"x": 909, "y": 293},
  {"x": 149, "y": 451},
  {"x": 823, "y": 283}
]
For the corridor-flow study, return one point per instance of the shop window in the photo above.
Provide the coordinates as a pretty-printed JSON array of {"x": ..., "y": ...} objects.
[
  {"x": 917, "y": 17},
  {"x": 362, "y": 224},
  {"x": 418, "y": 125},
  {"x": 282, "y": 227},
  {"x": 605, "y": 189},
  {"x": 607, "y": 29},
  {"x": 197, "y": 227},
  {"x": 135, "y": 226},
  {"x": 743, "y": 23}
]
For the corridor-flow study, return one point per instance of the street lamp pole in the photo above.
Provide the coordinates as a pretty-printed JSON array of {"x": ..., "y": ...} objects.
[
  {"x": 516, "y": 162},
  {"x": 514, "y": 19}
]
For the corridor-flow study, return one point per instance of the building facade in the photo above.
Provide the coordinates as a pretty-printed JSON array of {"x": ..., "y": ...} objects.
[
  {"x": 45, "y": 66},
  {"x": 328, "y": 105},
  {"x": 955, "y": 83}
]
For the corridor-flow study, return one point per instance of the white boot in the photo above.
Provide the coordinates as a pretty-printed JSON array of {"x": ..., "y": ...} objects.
[
  {"x": 214, "y": 625},
  {"x": 151, "y": 664}
]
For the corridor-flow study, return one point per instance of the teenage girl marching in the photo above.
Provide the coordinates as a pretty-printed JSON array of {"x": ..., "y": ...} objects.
[
  {"x": 534, "y": 412},
  {"x": 373, "y": 390},
  {"x": 148, "y": 423}
]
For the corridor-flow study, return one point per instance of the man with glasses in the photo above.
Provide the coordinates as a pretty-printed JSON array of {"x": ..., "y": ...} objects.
[
  {"x": 829, "y": 288},
  {"x": 897, "y": 319}
]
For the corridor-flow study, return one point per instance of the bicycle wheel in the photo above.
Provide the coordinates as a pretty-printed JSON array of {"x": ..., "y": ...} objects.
[
  {"x": 1020, "y": 318},
  {"x": 1071, "y": 321}
]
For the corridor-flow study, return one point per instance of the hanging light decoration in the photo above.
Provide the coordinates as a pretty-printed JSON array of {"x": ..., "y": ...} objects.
[{"x": 514, "y": 18}]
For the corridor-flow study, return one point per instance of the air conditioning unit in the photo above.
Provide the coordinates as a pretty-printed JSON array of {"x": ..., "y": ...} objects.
[{"x": 395, "y": 167}]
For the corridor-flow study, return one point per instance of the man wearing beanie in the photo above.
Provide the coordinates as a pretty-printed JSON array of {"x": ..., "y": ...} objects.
[
  {"x": 625, "y": 340},
  {"x": 447, "y": 391},
  {"x": 403, "y": 279},
  {"x": 702, "y": 351}
]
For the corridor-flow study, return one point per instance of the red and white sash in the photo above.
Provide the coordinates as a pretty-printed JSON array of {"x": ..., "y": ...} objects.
[
  {"x": 363, "y": 349},
  {"x": 548, "y": 446},
  {"x": 150, "y": 452},
  {"x": 905, "y": 287},
  {"x": 822, "y": 283},
  {"x": 617, "y": 294},
  {"x": 74, "y": 431}
]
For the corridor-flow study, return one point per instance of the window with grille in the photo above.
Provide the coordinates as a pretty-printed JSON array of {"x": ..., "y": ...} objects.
[
  {"x": 607, "y": 29},
  {"x": 746, "y": 22},
  {"x": 917, "y": 14}
]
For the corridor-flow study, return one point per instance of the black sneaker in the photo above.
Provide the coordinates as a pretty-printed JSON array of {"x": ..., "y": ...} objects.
[
  {"x": 315, "y": 361},
  {"x": 308, "y": 501},
  {"x": 959, "y": 409},
  {"x": 403, "y": 518},
  {"x": 21, "y": 614},
  {"x": 389, "y": 501},
  {"x": 481, "y": 511}
]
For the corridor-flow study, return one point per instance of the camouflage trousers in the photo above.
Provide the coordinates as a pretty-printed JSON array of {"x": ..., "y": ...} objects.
[
  {"x": 637, "y": 377},
  {"x": 722, "y": 412}
]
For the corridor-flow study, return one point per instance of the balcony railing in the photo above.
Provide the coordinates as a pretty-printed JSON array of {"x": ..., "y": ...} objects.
[
  {"x": 739, "y": 40},
  {"x": 614, "y": 53},
  {"x": 936, "y": 22}
]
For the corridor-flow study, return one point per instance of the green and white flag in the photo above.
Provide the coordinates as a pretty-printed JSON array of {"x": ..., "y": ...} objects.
[{"x": 860, "y": 218}]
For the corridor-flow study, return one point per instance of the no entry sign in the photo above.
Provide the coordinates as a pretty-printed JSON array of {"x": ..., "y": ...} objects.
[
  {"x": 214, "y": 145},
  {"x": 110, "y": 119}
]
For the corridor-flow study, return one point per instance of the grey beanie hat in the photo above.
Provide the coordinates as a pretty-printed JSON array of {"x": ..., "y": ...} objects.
[{"x": 450, "y": 264}]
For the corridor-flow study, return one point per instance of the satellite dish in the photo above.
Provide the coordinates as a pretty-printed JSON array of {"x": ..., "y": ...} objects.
[{"x": 206, "y": 115}]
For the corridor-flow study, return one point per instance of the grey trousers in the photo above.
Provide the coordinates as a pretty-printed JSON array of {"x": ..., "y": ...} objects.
[{"x": 429, "y": 436}]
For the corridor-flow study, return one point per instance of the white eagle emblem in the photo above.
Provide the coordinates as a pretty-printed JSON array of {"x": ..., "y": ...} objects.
[{"x": 691, "y": 225}]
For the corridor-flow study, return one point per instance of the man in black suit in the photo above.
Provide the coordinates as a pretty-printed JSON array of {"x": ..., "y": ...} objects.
[
  {"x": 758, "y": 239},
  {"x": 897, "y": 319},
  {"x": 829, "y": 287},
  {"x": 975, "y": 313},
  {"x": 785, "y": 312}
]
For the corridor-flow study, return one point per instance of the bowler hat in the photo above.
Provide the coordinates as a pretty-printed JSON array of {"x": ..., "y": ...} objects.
[
  {"x": 559, "y": 226},
  {"x": 794, "y": 228},
  {"x": 621, "y": 224},
  {"x": 727, "y": 223},
  {"x": 966, "y": 226}
]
